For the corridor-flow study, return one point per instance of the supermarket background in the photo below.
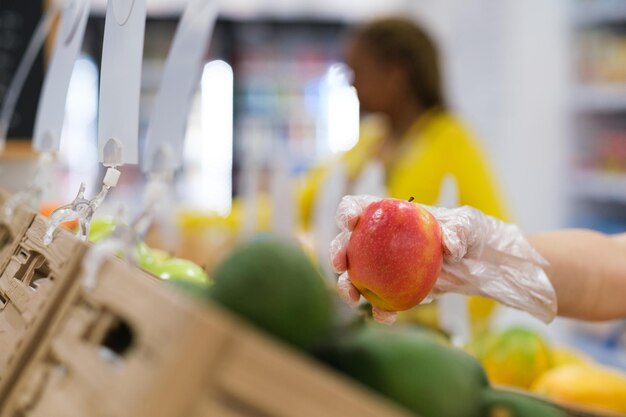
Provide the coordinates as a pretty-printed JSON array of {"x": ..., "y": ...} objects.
[{"x": 542, "y": 84}]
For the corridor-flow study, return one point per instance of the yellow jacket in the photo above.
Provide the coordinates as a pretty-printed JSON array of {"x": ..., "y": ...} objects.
[{"x": 436, "y": 145}]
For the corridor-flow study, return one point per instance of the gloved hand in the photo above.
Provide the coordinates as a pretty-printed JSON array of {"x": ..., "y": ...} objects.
[{"x": 482, "y": 256}]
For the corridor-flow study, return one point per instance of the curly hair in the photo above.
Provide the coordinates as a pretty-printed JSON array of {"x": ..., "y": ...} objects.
[{"x": 400, "y": 40}]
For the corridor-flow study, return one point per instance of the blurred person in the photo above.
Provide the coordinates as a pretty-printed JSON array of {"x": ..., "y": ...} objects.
[
  {"x": 410, "y": 130},
  {"x": 419, "y": 141}
]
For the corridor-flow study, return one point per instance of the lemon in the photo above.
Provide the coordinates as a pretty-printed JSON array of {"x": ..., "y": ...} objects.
[{"x": 516, "y": 357}]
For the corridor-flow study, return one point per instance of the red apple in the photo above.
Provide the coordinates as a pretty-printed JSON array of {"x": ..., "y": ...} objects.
[{"x": 395, "y": 253}]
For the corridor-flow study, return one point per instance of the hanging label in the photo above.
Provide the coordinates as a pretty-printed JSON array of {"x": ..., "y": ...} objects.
[
  {"x": 51, "y": 110},
  {"x": 120, "y": 82},
  {"x": 164, "y": 141}
]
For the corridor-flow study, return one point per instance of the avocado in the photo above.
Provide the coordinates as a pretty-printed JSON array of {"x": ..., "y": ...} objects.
[
  {"x": 415, "y": 368},
  {"x": 499, "y": 403},
  {"x": 273, "y": 284}
]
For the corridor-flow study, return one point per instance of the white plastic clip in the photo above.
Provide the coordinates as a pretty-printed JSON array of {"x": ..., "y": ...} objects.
[{"x": 80, "y": 209}]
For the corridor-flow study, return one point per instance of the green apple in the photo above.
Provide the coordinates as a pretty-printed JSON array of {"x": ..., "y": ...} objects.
[
  {"x": 176, "y": 269},
  {"x": 148, "y": 256},
  {"x": 155, "y": 261},
  {"x": 100, "y": 228}
]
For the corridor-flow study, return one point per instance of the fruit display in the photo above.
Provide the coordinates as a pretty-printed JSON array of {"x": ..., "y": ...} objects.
[
  {"x": 395, "y": 254},
  {"x": 273, "y": 284},
  {"x": 520, "y": 359}
]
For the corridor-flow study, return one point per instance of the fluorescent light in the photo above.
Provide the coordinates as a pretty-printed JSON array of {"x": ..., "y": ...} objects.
[
  {"x": 216, "y": 151},
  {"x": 342, "y": 110},
  {"x": 78, "y": 137}
]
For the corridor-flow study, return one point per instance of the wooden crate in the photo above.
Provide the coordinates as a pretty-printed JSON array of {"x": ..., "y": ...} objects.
[
  {"x": 32, "y": 285},
  {"x": 184, "y": 359},
  {"x": 131, "y": 346},
  {"x": 12, "y": 232}
]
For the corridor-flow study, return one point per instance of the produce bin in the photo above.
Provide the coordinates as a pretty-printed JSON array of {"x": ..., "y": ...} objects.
[{"x": 133, "y": 346}]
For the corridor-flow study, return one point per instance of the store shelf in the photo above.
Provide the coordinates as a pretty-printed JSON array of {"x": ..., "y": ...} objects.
[
  {"x": 600, "y": 186},
  {"x": 600, "y": 98},
  {"x": 589, "y": 13}
]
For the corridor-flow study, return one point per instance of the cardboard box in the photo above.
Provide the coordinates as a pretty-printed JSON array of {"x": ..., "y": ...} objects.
[{"x": 32, "y": 286}]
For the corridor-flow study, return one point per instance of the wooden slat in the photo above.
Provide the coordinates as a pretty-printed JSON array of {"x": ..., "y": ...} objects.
[
  {"x": 213, "y": 407},
  {"x": 283, "y": 383}
]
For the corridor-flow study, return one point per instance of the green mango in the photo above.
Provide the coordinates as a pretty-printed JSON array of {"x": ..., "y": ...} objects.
[
  {"x": 500, "y": 403},
  {"x": 273, "y": 284},
  {"x": 415, "y": 368}
]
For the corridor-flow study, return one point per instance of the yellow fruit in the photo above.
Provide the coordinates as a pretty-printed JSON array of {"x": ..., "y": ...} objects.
[
  {"x": 562, "y": 356},
  {"x": 584, "y": 385},
  {"x": 516, "y": 357}
]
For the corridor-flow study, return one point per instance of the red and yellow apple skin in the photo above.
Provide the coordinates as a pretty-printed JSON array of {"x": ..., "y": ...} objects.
[{"x": 395, "y": 254}]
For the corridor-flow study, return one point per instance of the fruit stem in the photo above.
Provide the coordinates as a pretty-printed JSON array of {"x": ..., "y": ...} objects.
[{"x": 411, "y": 199}]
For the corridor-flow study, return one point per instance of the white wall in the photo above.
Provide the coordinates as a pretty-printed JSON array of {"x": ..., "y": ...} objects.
[{"x": 507, "y": 67}]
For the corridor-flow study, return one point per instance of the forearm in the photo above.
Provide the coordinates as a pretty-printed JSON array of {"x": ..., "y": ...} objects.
[{"x": 588, "y": 272}]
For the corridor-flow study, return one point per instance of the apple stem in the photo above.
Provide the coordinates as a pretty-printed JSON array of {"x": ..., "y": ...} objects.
[{"x": 411, "y": 199}]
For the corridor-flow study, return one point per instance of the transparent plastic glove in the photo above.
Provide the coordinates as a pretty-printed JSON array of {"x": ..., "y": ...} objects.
[{"x": 482, "y": 256}]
